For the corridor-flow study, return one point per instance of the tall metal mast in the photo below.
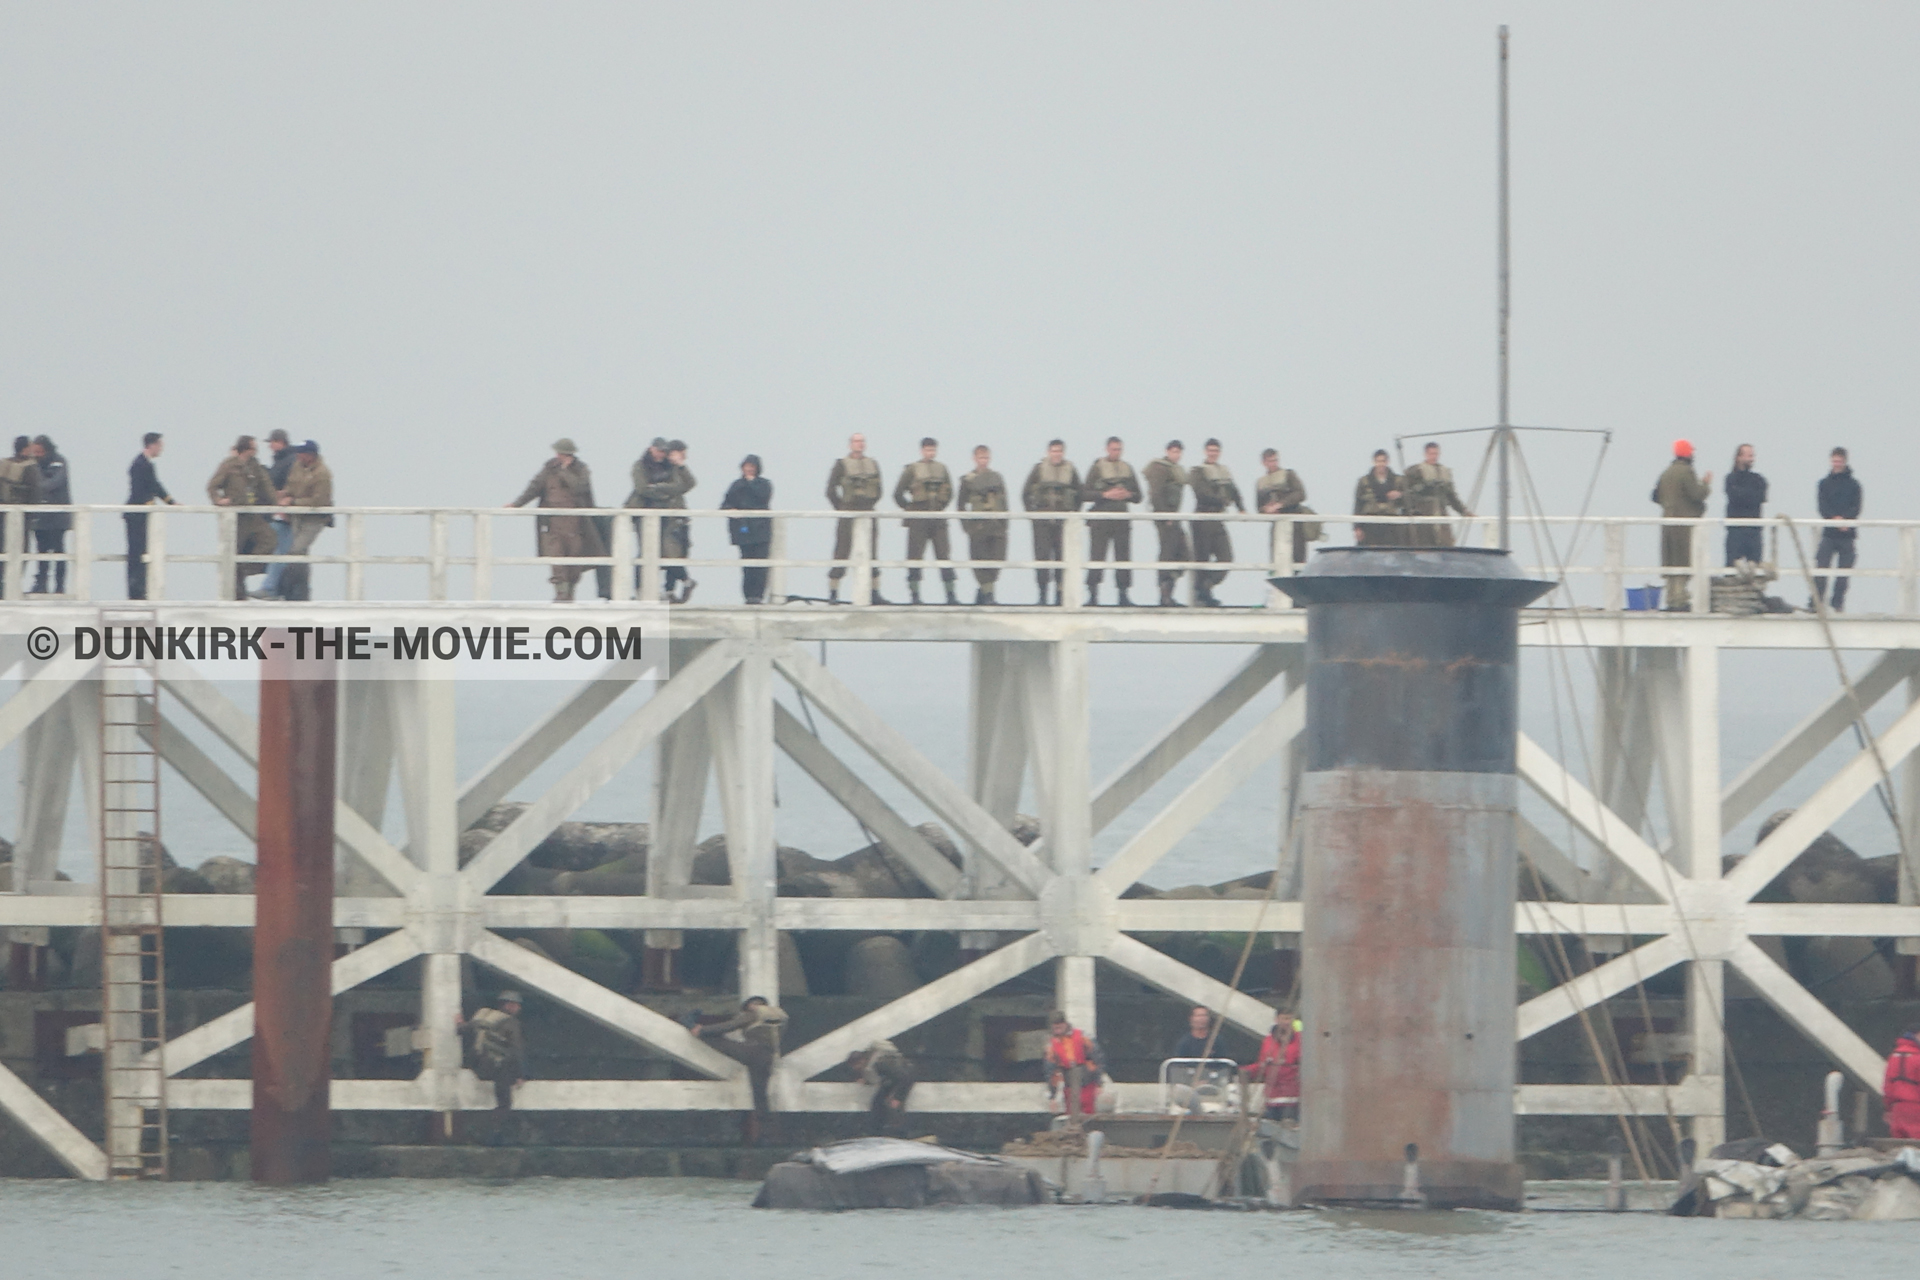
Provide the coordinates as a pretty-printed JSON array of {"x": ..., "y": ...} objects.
[{"x": 1503, "y": 435}]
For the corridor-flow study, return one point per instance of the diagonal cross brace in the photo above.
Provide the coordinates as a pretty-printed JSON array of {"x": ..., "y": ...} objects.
[
  {"x": 669, "y": 702},
  {"x": 916, "y": 1007},
  {"x": 1627, "y": 970},
  {"x": 1838, "y": 794},
  {"x": 1609, "y": 830},
  {"x": 898, "y": 756},
  {"x": 242, "y": 735},
  {"x": 1207, "y": 793},
  {"x": 1817, "y": 1022},
  {"x": 612, "y": 1011},
  {"x": 235, "y": 1026},
  {"x": 844, "y": 785}
]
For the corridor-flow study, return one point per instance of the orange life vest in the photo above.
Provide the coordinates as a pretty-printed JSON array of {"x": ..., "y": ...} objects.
[
  {"x": 1902, "y": 1085},
  {"x": 1069, "y": 1050}
]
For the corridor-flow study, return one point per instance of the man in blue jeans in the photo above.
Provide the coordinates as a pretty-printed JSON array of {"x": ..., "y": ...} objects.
[{"x": 277, "y": 471}]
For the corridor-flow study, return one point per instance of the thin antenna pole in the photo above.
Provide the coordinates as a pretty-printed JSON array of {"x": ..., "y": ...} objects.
[{"x": 1504, "y": 434}]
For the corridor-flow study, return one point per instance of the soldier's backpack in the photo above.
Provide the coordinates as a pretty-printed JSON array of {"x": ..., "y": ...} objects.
[
  {"x": 492, "y": 1046},
  {"x": 1312, "y": 530},
  {"x": 14, "y": 489}
]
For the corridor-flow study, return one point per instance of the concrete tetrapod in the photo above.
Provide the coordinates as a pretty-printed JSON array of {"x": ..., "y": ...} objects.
[{"x": 1407, "y": 821}]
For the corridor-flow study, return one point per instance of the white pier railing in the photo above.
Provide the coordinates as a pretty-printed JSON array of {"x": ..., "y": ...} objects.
[{"x": 459, "y": 553}]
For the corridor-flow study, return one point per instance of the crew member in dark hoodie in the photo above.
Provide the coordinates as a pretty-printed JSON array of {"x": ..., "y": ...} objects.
[
  {"x": 1839, "y": 507},
  {"x": 751, "y": 492},
  {"x": 1746, "y": 495}
]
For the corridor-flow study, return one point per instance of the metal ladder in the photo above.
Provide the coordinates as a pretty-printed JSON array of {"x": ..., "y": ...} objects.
[{"x": 133, "y": 991}]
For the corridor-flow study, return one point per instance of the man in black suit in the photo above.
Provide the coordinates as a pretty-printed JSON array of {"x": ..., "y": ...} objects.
[{"x": 143, "y": 490}]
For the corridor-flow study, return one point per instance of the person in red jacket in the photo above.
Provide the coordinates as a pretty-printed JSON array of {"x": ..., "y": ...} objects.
[
  {"x": 1901, "y": 1091},
  {"x": 1073, "y": 1067},
  {"x": 1278, "y": 1068}
]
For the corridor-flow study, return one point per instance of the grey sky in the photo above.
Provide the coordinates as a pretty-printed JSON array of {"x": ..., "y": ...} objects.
[{"x": 437, "y": 236}]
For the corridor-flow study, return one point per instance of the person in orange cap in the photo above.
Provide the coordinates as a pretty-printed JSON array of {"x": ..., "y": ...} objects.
[{"x": 1682, "y": 496}]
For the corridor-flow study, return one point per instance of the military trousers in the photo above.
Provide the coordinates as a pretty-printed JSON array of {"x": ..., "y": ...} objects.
[
  {"x": 888, "y": 1108},
  {"x": 1429, "y": 535},
  {"x": 674, "y": 543},
  {"x": 1049, "y": 543},
  {"x": 1111, "y": 540},
  {"x": 758, "y": 1060},
  {"x": 843, "y": 545},
  {"x": 1174, "y": 548},
  {"x": 986, "y": 540},
  {"x": 1210, "y": 542},
  {"x": 562, "y": 536},
  {"x": 924, "y": 533},
  {"x": 1381, "y": 535},
  {"x": 1676, "y": 551}
]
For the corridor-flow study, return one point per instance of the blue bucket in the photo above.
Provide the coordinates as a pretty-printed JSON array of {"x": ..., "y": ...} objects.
[{"x": 1643, "y": 599}]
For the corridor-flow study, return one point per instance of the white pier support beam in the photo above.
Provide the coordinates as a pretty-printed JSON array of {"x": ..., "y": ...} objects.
[
  {"x": 1706, "y": 978},
  {"x": 740, "y": 719},
  {"x": 1069, "y": 816}
]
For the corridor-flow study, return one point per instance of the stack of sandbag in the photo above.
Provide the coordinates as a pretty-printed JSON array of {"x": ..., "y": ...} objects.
[{"x": 1860, "y": 1183}]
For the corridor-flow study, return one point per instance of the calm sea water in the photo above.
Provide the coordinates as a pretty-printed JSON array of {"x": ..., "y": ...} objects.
[{"x": 668, "y": 1229}]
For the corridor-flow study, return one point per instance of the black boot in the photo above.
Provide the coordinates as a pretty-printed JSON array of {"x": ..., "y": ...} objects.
[
  {"x": 833, "y": 595},
  {"x": 1166, "y": 596},
  {"x": 951, "y": 597},
  {"x": 1093, "y": 595},
  {"x": 1125, "y": 602}
]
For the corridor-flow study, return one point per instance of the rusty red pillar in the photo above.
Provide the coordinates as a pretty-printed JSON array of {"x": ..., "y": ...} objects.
[{"x": 293, "y": 923}]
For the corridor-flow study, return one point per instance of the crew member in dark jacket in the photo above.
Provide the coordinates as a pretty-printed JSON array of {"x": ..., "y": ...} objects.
[
  {"x": 751, "y": 492},
  {"x": 19, "y": 487},
  {"x": 279, "y": 467},
  {"x": 1746, "y": 495},
  {"x": 50, "y": 528},
  {"x": 143, "y": 490},
  {"x": 1840, "y": 507}
]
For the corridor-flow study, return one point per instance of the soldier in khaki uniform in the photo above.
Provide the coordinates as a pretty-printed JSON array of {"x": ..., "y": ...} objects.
[
  {"x": 1166, "y": 482},
  {"x": 309, "y": 484},
  {"x": 1430, "y": 492},
  {"x": 1213, "y": 490},
  {"x": 563, "y": 483},
  {"x": 1682, "y": 496},
  {"x": 1280, "y": 492},
  {"x": 853, "y": 485},
  {"x": 982, "y": 489},
  {"x": 1052, "y": 485},
  {"x": 926, "y": 485},
  {"x": 757, "y": 1027},
  {"x": 1111, "y": 486},
  {"x": 1380, "y": 493},
  {"x": 241, "y": 481}
]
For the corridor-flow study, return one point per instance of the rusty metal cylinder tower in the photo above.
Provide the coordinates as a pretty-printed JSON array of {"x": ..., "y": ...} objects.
[
  {"x": 293, "y": 926},
  {"x": 1407, "y": 819}
]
